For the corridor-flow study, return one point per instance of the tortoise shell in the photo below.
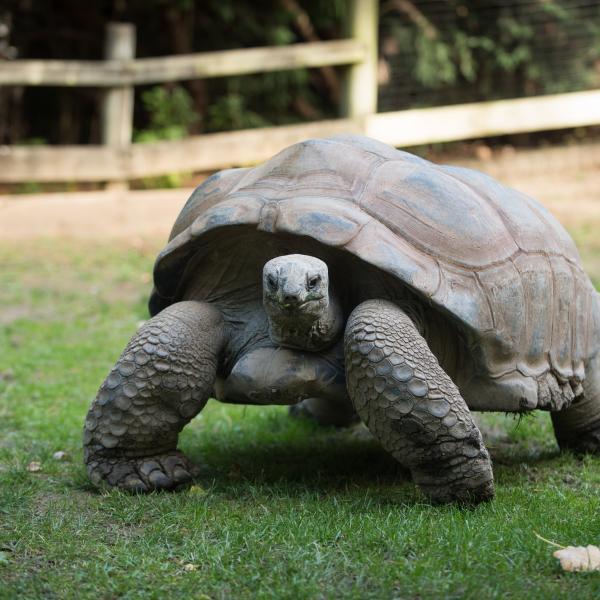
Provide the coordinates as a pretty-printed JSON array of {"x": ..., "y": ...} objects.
[{"x": 493, "y": 259}]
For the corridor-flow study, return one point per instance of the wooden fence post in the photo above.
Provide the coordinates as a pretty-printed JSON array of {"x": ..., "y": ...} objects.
[
  {"x": 117, "y": 107},
  {"x": 360, "y": 98}
]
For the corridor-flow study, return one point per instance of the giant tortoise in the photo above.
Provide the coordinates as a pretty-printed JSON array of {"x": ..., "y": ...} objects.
[{"x": 357, "y": 281}]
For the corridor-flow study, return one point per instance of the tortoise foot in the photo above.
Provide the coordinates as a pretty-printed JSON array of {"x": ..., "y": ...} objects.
[
  {"x": 469, "y": 482},
  {"x": 142, "y": 474}
]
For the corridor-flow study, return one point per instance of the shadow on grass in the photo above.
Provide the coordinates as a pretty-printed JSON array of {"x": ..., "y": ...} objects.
[
  {"x": 319, "y": 461},
  {"x": 327, "y": 460}
]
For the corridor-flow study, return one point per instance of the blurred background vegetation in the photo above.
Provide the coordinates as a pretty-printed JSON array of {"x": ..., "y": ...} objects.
[{"x": 431, "y": 53}]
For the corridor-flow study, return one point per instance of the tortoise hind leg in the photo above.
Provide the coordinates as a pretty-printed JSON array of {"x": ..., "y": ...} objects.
[
  {"x": 163, "y": 379},
  {"x": 577, "y": 428},
  {"x": 411, "y": 405}
]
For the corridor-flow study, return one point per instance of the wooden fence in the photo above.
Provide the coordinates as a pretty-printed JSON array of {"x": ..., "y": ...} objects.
[{"x": 117, "y": 159}]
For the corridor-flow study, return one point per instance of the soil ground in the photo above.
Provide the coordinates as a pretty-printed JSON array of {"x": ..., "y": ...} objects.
[{"x": 565, "y": 179}]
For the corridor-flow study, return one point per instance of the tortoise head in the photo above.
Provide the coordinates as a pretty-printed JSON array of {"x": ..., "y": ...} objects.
[{"x": 297, "y": 301}]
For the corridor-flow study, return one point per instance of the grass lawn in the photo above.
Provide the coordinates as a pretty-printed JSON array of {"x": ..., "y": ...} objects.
[{"x": 282, "y": 509}]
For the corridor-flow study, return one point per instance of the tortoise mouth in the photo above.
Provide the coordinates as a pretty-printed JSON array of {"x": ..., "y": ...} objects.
[
  {"x": 304, "y": 306},
  {"x": 311, "y": 308}
]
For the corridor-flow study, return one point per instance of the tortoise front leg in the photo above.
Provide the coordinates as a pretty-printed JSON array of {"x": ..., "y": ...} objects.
[
  {"x": 411, "y": 405},
  {"x": 163, "y": 379}
]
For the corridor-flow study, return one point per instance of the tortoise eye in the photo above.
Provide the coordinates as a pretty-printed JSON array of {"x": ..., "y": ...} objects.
[
  {"x": 313, "y": 282},
  {"x": 272, "y": 282}
]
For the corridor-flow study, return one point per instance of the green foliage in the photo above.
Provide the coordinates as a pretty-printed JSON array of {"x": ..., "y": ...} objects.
[
  {"x": 486, "y": 52},
  {"x": 28, "y": 187},
  {"x": 444, "y": 52},
  {"x": 171, "y": 114},
  {"x": 230, "y": 112}
]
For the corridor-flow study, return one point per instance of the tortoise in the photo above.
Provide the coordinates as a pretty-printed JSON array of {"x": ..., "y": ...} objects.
[{"x": 356, "y": 281}]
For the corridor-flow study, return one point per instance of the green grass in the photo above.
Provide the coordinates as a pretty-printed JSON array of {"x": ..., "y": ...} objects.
[{"x": 282, "y": 509}]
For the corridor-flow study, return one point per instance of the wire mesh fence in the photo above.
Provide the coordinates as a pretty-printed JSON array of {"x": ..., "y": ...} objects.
[{"x": 435, "y": 52}]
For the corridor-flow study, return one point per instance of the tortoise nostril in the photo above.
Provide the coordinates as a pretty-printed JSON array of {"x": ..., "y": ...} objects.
[{"x": 290, "y": 299}]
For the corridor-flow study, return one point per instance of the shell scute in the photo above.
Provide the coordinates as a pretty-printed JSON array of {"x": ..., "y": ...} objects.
[{"x": 433, "y": 210}]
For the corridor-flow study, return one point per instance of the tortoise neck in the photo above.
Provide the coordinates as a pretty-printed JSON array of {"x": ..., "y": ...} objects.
[{"x": 301, "y": 333}]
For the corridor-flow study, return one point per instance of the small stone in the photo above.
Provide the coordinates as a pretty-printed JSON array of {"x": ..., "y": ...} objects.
[
  {"x": 34, "y": 466},
  {"x": 59, "y": 455}
]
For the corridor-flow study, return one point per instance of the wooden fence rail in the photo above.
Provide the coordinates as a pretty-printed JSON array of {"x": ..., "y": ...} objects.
[
  {"x": 246, "y": 147},
  {"x": 115, "y": 73},
  {"x": 118, "y": 160}
]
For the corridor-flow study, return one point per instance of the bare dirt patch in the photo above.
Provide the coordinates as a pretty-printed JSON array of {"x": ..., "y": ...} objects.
[{"x": 565, "y": 179}]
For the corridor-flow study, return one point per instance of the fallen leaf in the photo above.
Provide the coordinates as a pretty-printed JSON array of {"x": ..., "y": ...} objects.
[
  {"x": 59, "y": 455},
  {"x": 579, "y": 558},
  {"x": 197, "y": 490},
  {"x": 575, "y": 558},
  {"x": 34, "y": 466},
  {"x": 190, "y": 567}
]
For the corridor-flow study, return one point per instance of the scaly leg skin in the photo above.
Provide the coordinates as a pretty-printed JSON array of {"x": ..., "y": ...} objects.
[
  {"x": 412, "y": 407},
  {"x": 577, "y": 428},
  {"x": 163, "y": 379}
]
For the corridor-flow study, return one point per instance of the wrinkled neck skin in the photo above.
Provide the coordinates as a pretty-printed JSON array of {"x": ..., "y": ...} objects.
[{"x": 304, "y": 331}]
